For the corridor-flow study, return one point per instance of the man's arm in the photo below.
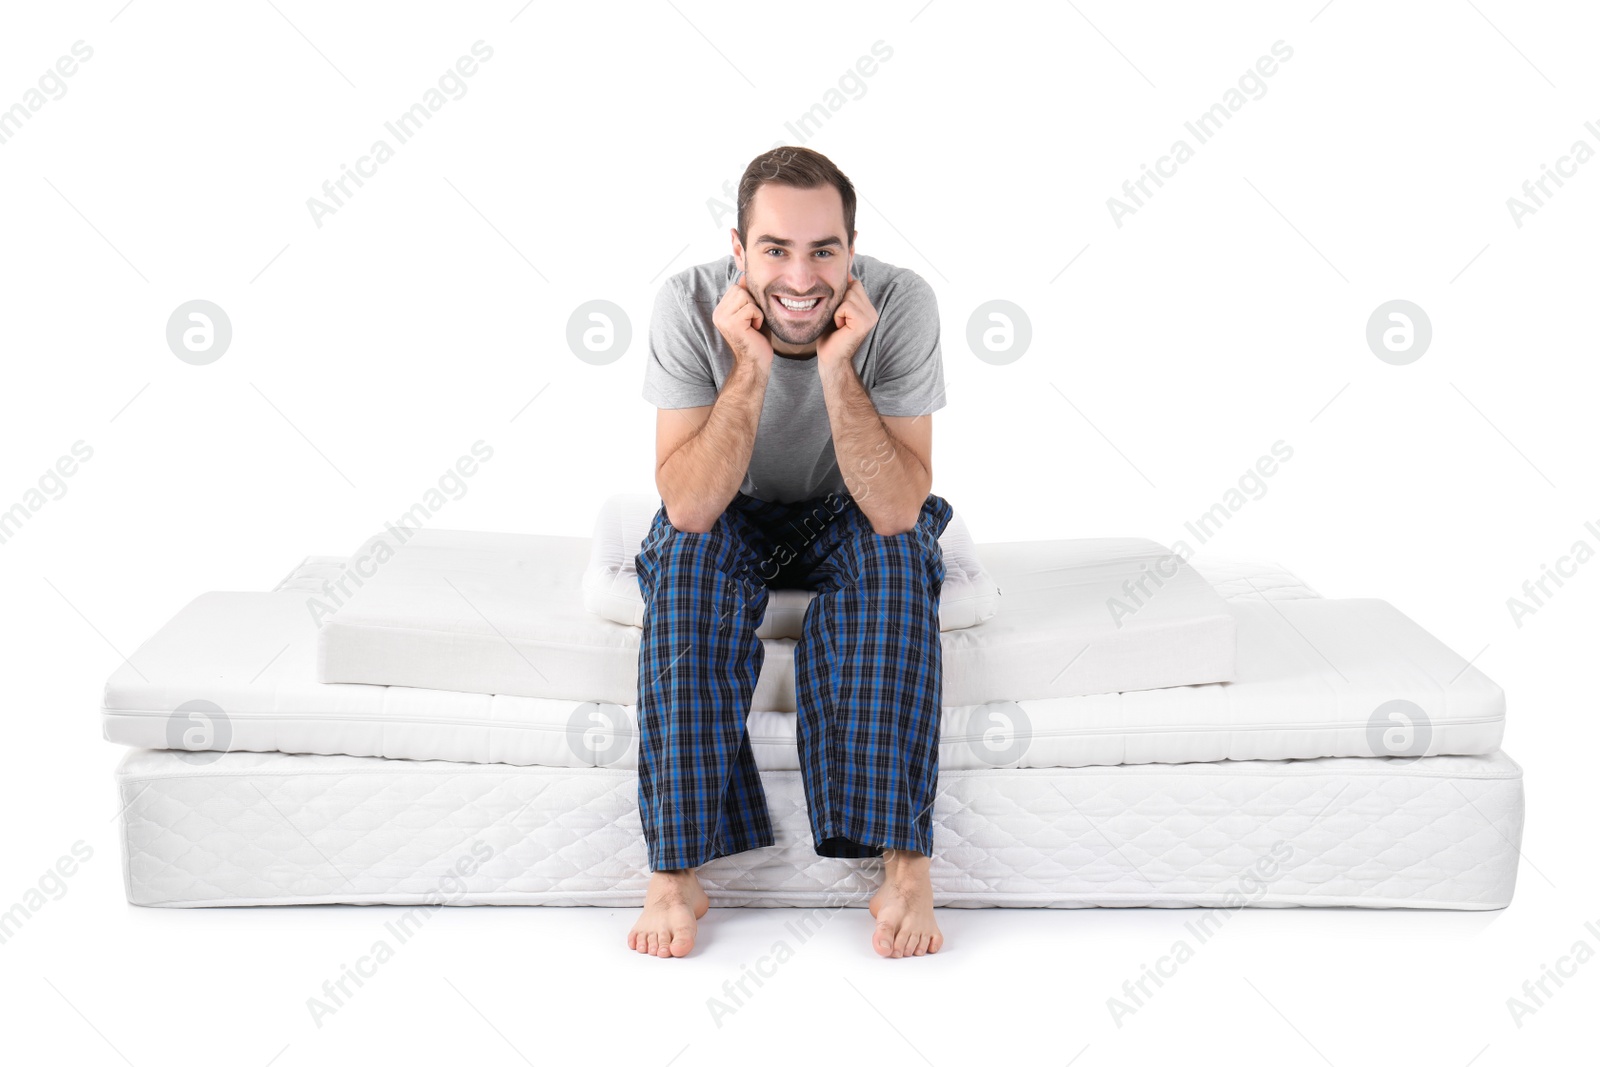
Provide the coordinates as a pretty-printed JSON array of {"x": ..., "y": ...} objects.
[
  {"x": 888, "y": 474},
  {"x": 702, "y": 453}
]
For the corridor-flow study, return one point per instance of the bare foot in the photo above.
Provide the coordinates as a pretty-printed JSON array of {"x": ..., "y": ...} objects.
[
  {"x": 671, "y": 905},
  {"x": 904, "y": 907}
]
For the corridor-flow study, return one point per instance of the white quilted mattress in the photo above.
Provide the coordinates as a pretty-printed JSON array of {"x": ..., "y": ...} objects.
[
  {"x": 269, "y": 828},
  {"x": 1311, "y": 675}
]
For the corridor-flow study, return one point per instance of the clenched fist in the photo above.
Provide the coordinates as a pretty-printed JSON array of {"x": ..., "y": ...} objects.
[
  {"x": 853, "y": 320},
  {"x": 739, "y": 320}
]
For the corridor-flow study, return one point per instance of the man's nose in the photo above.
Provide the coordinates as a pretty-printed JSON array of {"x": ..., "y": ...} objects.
[{"x": 802, "y": 283}]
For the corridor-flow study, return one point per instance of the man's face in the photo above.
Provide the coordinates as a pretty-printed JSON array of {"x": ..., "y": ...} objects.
[{"x": 798, "y": 251}]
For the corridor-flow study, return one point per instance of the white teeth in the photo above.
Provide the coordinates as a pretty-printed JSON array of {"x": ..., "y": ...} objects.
[{"x": 798, "y": 305}]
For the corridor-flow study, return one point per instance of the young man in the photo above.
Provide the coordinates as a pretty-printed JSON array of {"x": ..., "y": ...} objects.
[{"x": 796, "y": 382}]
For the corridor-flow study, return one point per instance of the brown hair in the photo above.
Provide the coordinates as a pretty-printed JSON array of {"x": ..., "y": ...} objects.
[{"x": 801, "y": 168}]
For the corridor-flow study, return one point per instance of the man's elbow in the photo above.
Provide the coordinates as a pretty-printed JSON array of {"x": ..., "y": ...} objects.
[
  {"x": 907, "y": 520},
  {"x": 903, "y": 523},
  {"x": 680, "y": 518},
  {"x": 685, "y": 520},
  {"x": 681, "y": 513},
  {"x": 695, "y": 527}
]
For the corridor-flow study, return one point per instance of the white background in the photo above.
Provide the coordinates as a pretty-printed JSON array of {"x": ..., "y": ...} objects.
[{"x": 368, "y": 354}]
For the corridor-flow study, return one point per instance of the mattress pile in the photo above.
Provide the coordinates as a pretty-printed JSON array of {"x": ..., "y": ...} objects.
[{"x": 451, "y": 717}]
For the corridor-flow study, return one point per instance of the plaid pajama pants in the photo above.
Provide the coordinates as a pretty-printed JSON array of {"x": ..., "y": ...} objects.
[{"x": 868, "y": 678}]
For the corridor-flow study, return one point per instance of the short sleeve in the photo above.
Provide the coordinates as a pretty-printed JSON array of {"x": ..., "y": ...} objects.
[
  {"x": 677, "y": 372},
  {"x": 910, "y": 378}
]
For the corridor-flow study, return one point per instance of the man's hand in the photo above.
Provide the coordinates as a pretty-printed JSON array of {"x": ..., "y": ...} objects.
[
  {"x": 854, "y": 319},
  {"x": 739, "y": 319}
]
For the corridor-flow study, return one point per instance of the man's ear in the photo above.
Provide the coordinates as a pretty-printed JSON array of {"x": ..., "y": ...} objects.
[{"x": 738, "y": 249}]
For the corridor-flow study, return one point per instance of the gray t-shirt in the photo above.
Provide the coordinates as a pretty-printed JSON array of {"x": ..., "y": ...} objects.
[{"x": 899, "y": 364}]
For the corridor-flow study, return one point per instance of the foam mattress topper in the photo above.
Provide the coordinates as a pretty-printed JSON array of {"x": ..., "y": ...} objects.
[
  {"x": 505, "y": 614},
  {"x": 1314, "y": 677}
]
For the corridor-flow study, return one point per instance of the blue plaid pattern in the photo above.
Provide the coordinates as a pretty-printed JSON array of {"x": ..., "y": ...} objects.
[{"x": 868, "y": 677}]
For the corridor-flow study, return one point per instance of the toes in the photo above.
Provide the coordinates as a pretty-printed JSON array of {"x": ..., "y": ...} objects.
[
  {"x": 682, "y": 942},
  {"x": 883, "y": 938},
  {"x": 919, "y": 945}
]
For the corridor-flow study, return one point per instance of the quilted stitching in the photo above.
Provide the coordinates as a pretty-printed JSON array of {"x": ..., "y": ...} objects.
[
  {"x": 1243, "y": 580},
  {"x": 272, "y": 828}
]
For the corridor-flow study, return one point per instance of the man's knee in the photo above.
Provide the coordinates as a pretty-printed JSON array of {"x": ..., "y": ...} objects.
[
  {"x": 694, "y": 546},
  {"x": 876, "y": 557},
  {"x": 676, "y": 555}
]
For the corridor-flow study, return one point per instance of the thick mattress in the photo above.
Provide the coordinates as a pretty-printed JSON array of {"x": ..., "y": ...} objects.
[
  {"x": 269, "y": 828},
  {"x": 1314, "y": 677}
]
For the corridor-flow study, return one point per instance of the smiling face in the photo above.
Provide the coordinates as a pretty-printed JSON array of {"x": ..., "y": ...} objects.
[{"x": 798, "y": 263}]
